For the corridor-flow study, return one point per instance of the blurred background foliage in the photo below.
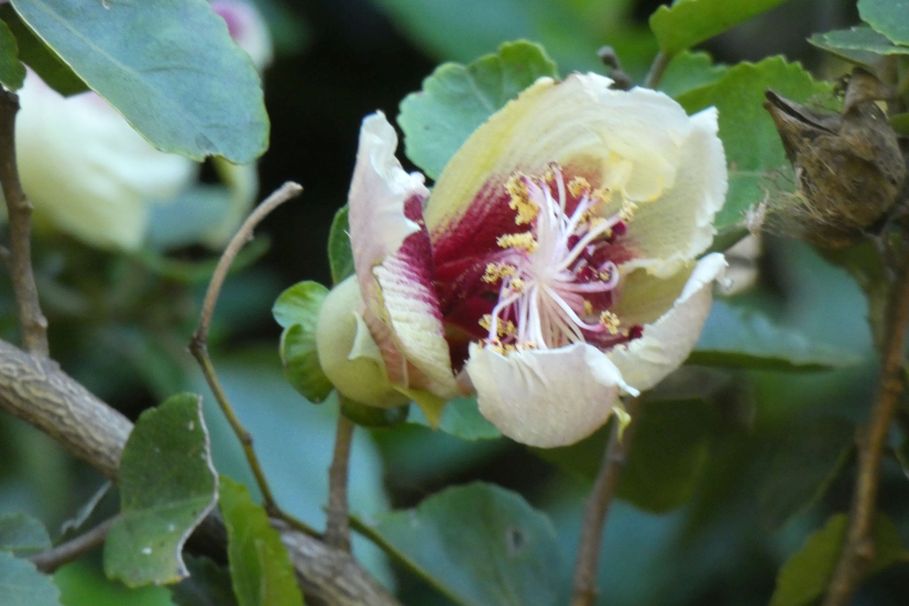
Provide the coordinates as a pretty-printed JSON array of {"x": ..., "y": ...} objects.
[{"x": 752, "y": 472}]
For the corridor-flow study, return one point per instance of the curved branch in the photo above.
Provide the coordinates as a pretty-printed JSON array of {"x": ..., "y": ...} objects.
[
  {"x": 38, "y": 392},
  {"x": 858, "y": 549},
  {"x": 31, "y": 319}
]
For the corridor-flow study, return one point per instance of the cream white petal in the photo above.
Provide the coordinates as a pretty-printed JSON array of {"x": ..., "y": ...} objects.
[
  {"x": 630, "y": 140},
  {"x": 393, "y": 269},
  {"x": 413, "y": 314},
  {"x": 546, "y": 398},
  {"x": 86, "y": 171},
  {"x": 667, "y": 340},
  {"x": 670, "y": 231},
  {"x": 378, "y": 191}
]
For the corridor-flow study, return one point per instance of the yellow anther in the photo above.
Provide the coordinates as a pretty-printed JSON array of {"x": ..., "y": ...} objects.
[
  {"x": 578, "y": 186},
  {"x": 588, "y": 308},
  {"x": 627, "y": 212},
  {"x": 519, "y": 199},
  {"x": 504, "y": 328},
  {"x": 497, "y": 271},
  {"x": 517, "y": 285},
  {"x": 605, "y": 275},
  {"x": 601, "y": 195},
  {"x": 521, "y": 241},
  {"x": 610, "y": 321}
]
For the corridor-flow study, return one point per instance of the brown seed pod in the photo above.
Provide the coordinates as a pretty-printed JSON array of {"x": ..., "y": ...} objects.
[{"x": 848, "y": 167}]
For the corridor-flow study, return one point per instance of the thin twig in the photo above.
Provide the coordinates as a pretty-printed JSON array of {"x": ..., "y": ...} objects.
[
  {"x": 337, "y": 531},
  {"x": 604, "y": 489},
  {"x": 286, "y": 192},
  {"x": 858, "y": 549},
  {"x": 657, "y": 68},
  {"x": 52, "y": 559},
  {"x": 198, "y": 346},
  {"x": 31, "y": 320}
]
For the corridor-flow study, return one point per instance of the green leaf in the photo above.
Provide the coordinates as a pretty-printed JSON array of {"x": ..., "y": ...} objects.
[
  {"x": 188, "y": 88},
  {"x": 668, "y": 450},
  {"x": 456, "y": 99},
  {"x": 478, "y": 544},
  {"x": 737, "y": 337},
  {"x": 688, "y": 71},
  {"x": 799, "y": 465},
  {"x": 297, "y": 310},
  {"x": 22, "y": 534},
  {"x": 22, "y": 585},
  {"x": 888, "y": 17},
  {"x": 340, "y": 256},
  {"x": 260, "y": 567},
  {"x": 299, "y": 304},
  {"x": 804, "y": 577},
  {"x": 207, "y": 585},
  {"x": 689, "y": 22},
  {"x": 12, "y": 72},
  {"x": 167, "y": 485},
  {"x": 461, "y": 418},
  {"x": 754, "y": 152},
  {"x": 38, "y": 56},
  {"x": 571, "y": 29},
  {"x": 860, "y": 44}
]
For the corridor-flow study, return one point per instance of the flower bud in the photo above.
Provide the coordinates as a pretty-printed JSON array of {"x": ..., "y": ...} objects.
[{"x": 347, "y": 352}]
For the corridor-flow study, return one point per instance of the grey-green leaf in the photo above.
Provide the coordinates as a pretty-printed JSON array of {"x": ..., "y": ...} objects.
[
  {"x": 169, "y": 66},
  {"x": 261, "y": 572},
  {"x": 297, "y": 310},
  {"x": 456, "y": 99},
  {"x": 754, "y": 152},
  {"x": 888, "y": 17},
  {"x": 22, "y": 534},
  {"x": 736, "y": 337},
  {"x": 804, "y": 577},
  {"x": 12, "y": 72},
  {"x": 860, "y": 44},
  {"x": 167, "y": 485},
  {"x": 22, "y": 585},
  {"x": 38, "y": 56},
  {"x": 668, "y": 450},
  {"x": 461, "y": 418},
  {"x": 478, "y": 544},
  {"x": 340, "y": 256},
  {"x": 797, "y": 466},
  {"x": 688, "y": 22}
]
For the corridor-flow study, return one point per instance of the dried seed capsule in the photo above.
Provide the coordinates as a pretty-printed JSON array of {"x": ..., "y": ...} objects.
[{"x": 848, "y": 167}]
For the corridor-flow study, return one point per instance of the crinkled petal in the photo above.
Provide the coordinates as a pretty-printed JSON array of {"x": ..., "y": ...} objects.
[
  {"x": 628, "y": 140},
  {"x": 87, "y": 171},
  {"x": 393, "y": 263},
  {"x": 667, "y": 341},
  {"x": 378, "y": 191},
  {"x": 669, "y": 232},
  {"x": 546, "y": 398},
  {"x": 412, "y": 312}
]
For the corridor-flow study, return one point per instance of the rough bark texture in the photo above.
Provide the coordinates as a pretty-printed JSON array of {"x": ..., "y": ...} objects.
[{"x": 36, "y": 390}]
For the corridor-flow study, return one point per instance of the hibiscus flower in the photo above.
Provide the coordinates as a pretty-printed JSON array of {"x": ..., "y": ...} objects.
[{"x": 553, "y": 268}]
